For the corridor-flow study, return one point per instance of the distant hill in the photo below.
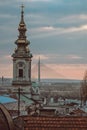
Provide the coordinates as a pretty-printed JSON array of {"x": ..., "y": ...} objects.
[
  {"x": 7, "y": 81},
  {"x": 60, "y": 80}
]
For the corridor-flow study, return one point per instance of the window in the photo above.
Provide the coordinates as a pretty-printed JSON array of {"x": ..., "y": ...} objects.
[{"x": 20, "y": 73}]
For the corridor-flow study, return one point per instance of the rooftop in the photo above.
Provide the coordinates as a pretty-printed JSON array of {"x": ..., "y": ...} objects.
[
  {"x": 6, "y": 99},
  {"x": 54, "y": 123}
]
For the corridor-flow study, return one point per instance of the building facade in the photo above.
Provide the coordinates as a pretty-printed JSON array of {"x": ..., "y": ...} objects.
[{"x": 22, "y": 57}]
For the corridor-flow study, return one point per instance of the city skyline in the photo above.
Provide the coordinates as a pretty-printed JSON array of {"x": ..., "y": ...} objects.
[{"x": 57, "y": 30}]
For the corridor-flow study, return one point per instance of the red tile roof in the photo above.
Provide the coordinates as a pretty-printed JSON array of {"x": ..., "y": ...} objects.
[{"x": 55, "y": 123}]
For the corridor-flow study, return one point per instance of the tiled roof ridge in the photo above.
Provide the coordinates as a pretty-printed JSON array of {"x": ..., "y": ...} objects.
[
  {"x": 66, "y": 122},
  {"x": 47, "y": 116}
]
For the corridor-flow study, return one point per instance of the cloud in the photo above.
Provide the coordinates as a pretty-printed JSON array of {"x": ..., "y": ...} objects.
[
  {"x": 51, "y": 31},
  {"x": 57, "y": 30},
  {"x": 6, "y": 16},
  {"x": 6, "y": 70},
  {"x": 76, "y": 18},
  {"x": 40, "y": 0},
  {"x": 43, "y": 29},
  {"x": 68, "y": 57},
  {"x": 66, "y": 71},
  {"x": 71, "y": 71},
  {"x": 5, "y": 59},
  {"x": 48, "y": 28},
  {"x": 35, "y": 0},
  {"x": 41, "y": 56},
  {"x": 73, "y": 57},
  {"x": 59, "y": 58},
  {"x": 8, "y": 57}
]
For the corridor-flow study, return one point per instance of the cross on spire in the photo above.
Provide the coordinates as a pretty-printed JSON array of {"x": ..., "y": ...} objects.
[{"x": 22, "y": 7}]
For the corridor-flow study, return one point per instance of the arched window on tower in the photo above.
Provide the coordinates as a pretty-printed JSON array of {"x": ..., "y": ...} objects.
[
  {"x": 21, "y": 67},
  {"x": 21, "y": 73}
]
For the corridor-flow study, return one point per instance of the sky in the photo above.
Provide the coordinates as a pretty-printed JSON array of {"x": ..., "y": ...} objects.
[{"x": 57, "y": 30}]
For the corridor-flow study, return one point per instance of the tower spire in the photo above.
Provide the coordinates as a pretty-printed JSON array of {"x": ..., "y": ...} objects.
[
  {"x": 22, "y": 56},
  {"x": 22, "y": 13},
  {"x": 22, "y": 28}
]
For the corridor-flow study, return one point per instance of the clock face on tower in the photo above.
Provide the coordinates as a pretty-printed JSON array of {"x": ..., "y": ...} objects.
[{"x": 20, "y": 64}]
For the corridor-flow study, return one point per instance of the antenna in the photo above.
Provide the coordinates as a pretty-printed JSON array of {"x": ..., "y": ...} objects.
[{"x": 39, "y": 70}]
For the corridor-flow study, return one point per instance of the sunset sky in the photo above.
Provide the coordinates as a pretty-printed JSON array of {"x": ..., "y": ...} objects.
[{"x": 57, "y": 30}]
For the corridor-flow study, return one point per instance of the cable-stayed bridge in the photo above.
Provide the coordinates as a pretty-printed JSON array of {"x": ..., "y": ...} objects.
[{"x": 45, "y": 72}]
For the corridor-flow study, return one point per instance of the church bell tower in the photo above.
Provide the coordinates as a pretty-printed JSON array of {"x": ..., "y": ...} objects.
[{"x": 22, "y": 56}]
